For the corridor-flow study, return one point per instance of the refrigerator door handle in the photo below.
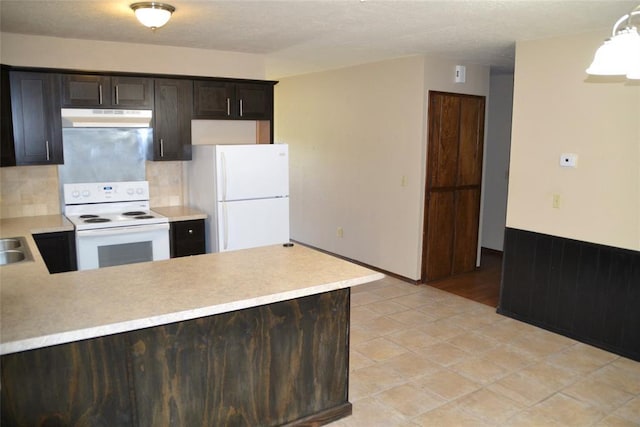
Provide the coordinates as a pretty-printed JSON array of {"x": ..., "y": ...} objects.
[
  {"x": 223, "y": 165},
  {"x": 225, "y": 227}
]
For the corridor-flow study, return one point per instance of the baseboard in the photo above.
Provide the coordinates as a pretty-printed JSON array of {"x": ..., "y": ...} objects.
[
  {"x": 362, "y": 264},
  {"x": 323, "y": 417},
  {"x": 491, "y": 251}
]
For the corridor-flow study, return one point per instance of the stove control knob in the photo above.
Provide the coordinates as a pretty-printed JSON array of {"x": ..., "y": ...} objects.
[
  {"x": 130, "y": 191},
  {"x": 139, "y": 190},
  {"x": 85, "y": 193},
  {"x": 75, "y": 194}
]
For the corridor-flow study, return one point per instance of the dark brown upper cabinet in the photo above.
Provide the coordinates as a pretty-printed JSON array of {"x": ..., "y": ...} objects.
[
  {"x": 32, "y": 128},
  {"x": 100, "y": 91},
  {"x": 230, "y": 100},
  {"x": 172, "y": 119}
]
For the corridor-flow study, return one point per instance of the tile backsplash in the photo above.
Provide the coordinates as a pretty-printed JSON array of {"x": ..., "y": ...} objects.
[
  {"x": 35, "y": 190},
  {"x": 165, "y": 183},
  {"x": 29, "y": 191}
]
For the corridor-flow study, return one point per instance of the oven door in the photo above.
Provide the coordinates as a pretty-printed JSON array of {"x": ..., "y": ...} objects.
[{"x": 122, "y": 245}]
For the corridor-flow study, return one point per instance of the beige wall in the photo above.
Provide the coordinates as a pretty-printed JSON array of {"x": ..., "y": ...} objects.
[
  {"x": 33, "y": 190},
  {"x": 52, "y": 52},
  {"x": 357, "y": 146},
  {"x": 496, "y": 170},
  {"x": 556, "y": 110}
]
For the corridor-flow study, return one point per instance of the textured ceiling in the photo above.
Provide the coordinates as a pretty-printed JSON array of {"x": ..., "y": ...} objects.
[{"x": 299, "y": 36}]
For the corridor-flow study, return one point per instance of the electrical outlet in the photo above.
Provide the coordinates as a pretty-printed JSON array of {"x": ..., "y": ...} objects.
[
  {"x": 556, "y": 201},
  {"x": 339, "y": 232},
  {"x": 403, "y": 181}
]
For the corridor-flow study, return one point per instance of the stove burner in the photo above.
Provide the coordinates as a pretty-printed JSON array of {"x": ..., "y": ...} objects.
[
  {"x": 144, "y": 217},
  {"x": 134, "y": 213},
  {"x": 96, "y": 219},
  {"x": 85, "y": 216}
]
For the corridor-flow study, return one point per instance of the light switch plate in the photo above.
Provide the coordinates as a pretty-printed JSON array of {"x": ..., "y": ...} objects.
[{"x": 569, "y": 160}]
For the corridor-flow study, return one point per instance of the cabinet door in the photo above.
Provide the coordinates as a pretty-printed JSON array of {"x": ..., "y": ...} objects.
[
  {"x": 86, "y": 91},
  {"x": 172, "y": 119},
  {"x": 214, "y": 100},
  {"x": 7, "y": 148},
  {"x": 35, "y": 111},
  {"x": 58, "y": 250},
  {"x": 134, "y": 92},
  {"x": 254, "y": 101},
  {"x": 187, "y": 238}
]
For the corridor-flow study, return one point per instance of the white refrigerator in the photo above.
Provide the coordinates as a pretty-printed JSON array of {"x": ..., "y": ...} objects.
[{"x": 244, "y": 190}]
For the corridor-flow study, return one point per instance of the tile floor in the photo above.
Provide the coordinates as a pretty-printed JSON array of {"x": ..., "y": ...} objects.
[{"x": 424, "y": 357}]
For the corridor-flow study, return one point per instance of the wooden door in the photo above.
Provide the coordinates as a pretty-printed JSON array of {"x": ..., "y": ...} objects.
[{"x": 454, "y": 176}]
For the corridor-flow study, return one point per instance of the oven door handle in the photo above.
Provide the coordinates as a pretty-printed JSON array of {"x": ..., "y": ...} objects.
[{"x": 122, "y": 230}]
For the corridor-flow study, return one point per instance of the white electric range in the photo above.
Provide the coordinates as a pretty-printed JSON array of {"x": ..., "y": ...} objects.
[{"x": 114, "y": 224}]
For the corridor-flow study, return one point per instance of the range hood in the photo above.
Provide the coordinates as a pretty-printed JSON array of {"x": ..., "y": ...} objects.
[{"x": 105, "y": 118}]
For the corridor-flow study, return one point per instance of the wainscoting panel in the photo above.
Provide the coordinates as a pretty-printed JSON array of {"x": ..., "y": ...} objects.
[{"x": 583, "y": 290}]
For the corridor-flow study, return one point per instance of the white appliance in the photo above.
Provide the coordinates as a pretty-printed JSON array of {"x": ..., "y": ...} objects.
[
  {"x": 244, "y": 190},
  {"x": 114, "y": 224}
]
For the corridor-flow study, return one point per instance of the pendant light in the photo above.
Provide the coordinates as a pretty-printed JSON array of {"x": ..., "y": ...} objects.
[
  {"x": 620, "y": 54},
  {"x": 152, "y": 14}
]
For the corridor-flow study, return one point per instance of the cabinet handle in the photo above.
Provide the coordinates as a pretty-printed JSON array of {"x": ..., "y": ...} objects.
[
  {"x": 228, "y": 106},
  {"x": 46, "y": 143},
  {"x": 161, "y": 147},
  {"x": 241, "y": 108},
  {"x": 100, "y": 94},
  {"x": 117, "y": 95}
]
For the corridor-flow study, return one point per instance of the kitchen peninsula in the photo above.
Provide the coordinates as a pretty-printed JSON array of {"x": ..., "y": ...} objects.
[{"x": 257, "y": 337}]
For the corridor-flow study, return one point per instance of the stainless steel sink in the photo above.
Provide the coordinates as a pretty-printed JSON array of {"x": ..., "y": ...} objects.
[
  {"x": 11, "y": 243},
  {"x": 14, "y": 250}
]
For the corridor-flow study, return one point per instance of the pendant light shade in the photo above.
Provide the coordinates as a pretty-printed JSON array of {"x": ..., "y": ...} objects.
[
  {"x": 620, "y": 54},
  {"x": 152, "y": 14}
]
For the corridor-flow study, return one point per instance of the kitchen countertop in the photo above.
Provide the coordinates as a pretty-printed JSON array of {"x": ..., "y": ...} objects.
[
  {"x": 38, "y": 309},
  {"x": 180, "y": 213}
]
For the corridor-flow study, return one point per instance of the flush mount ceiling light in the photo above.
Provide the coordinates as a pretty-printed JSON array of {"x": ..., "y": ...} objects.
[
  {"x": 152, "y": 14},
  {"x": 620, "y": 54}
]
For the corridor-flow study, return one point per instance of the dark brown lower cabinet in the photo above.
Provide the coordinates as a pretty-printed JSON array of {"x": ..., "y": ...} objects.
[
  {"x": 58, "y": 250},
  {"x": 187, "y": 238},
  {"x": 279, "y": 364}
]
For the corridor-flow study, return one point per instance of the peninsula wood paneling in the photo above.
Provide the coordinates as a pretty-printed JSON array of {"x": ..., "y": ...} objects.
[
  {"x": 586, "y": 291},
  {"x": 213, "y": 371},
  {"x": 78, "y": 384},
  {"x": 279, "y": 364}
]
